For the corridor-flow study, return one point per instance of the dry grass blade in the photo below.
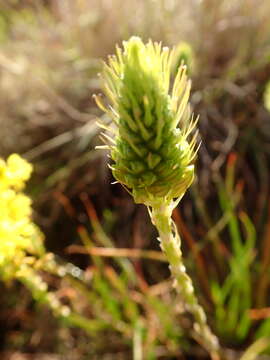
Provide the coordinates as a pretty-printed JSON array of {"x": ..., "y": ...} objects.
[{"x": 118, "y": 252}]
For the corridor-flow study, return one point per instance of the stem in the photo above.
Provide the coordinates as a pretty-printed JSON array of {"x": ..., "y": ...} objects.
[
  {"x": 38, "y": 288},
  {"x": 170, "y": 243}
]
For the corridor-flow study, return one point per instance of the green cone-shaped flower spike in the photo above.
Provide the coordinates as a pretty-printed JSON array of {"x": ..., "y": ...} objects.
[{"x": 152, "y": 155}]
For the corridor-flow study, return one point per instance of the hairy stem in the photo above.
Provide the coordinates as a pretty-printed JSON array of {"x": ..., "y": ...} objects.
[
  {"x": 38, "y": 288},
  {"x": 170, "y": 243}
]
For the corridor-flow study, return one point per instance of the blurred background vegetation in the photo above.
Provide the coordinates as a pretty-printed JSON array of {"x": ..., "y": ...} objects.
[{"x": 50, "y": 54}]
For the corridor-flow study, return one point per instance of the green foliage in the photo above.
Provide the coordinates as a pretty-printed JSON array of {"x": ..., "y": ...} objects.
[
  {"x": 236, "y": 293},
  {"x": 234, "y": 298}
]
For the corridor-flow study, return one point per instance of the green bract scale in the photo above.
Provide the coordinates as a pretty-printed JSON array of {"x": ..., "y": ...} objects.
[{"x": 150, "y": 148}]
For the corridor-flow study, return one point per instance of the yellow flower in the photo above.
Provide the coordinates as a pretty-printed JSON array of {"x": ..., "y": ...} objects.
[
  {"x": 15, "y": 172},
  {"x": 18, "y": 234}
]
